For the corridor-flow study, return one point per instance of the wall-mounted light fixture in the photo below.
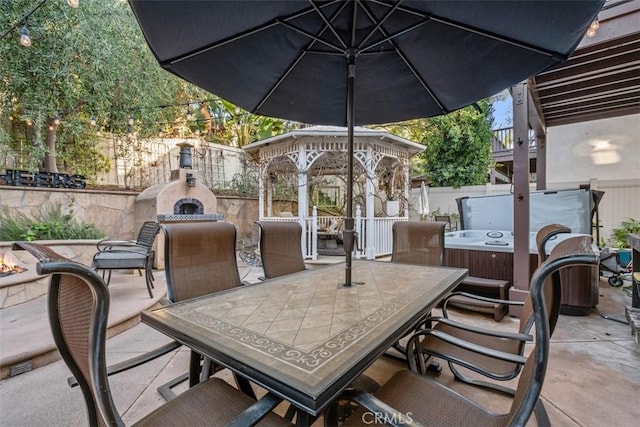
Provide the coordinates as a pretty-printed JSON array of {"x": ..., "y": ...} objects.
[{"x": 191, "y": 180}]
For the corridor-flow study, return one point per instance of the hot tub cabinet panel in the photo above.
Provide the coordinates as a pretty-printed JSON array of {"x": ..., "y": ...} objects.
[
  {"x": 486, "y": 264},
  {"x": 579, "y": 290}
]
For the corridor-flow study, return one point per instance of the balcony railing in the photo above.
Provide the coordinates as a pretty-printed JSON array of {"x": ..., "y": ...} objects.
[{"x": 502, "y": 140}]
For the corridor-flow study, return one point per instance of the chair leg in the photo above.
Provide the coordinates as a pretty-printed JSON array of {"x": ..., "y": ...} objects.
[{"x": 149, "y": 282}]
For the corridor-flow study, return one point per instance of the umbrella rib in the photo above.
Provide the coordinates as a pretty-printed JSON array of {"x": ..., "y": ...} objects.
[
  {"x": 508, "y": 40},
  {"x": 327, "y": 23},
  {"x": 389, "y": 38},
  {"x": 556, "y": 56},
  {"x": 378, "y": 24},
  {"x": 314, "y": 38},
  {"x": 212, "y": 46}
]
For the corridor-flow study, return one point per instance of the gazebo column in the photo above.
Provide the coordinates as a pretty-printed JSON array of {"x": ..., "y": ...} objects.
[
  {"x": 405, "y": 170},
  {"x": 303, "y": 197},
  {"x": 261, "y": 195},
  {"x": 370, "y": 203},
  {"x": 269, "y": 187}
]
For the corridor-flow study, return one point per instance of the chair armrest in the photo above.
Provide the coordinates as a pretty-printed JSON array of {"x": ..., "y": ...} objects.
[
  {"x": 479, "y": 330},
  {"x": 391, "y": 416},
  {"x": 138, "y": 250},
  {"x": 415, "y": 350},
  {"x": 134, "y": 361},
  {"x": 105, "y": 243},
  {"x": 479, "y": 298}
]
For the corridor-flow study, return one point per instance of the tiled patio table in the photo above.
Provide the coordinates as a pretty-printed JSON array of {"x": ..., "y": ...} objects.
[{"x": 304, "y": 337}]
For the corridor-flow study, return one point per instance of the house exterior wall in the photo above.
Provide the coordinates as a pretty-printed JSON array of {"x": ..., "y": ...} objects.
[{"x": 607, "y": 149}]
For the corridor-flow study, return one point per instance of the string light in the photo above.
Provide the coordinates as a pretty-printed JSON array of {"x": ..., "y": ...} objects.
[
  {"x": 56, "y": 120},
  {"x": 93, "y": 120},
  {"x": 593, "y": 28},
  {"x": 189, "y": 115},
  {"x": 25, "y": 39},
  {"x": 131, "y": 119}
]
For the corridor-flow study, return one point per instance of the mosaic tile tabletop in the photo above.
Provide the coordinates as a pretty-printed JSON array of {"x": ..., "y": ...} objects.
[{"x": 304, "y": 330}]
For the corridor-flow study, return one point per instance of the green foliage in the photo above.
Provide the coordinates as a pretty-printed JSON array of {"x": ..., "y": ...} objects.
[
  {"x": 458, "y": 147},
  {"x": 619, "y": 235},
  {"x": 50, "y": 223},
  {"x": 84, "y": 62}
]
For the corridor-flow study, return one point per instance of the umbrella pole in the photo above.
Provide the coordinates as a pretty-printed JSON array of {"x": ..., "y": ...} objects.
[{"x": 349, "y": 232}]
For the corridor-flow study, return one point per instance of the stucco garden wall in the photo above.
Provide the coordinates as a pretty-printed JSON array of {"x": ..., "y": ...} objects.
[{"x": 113, "y": 211}]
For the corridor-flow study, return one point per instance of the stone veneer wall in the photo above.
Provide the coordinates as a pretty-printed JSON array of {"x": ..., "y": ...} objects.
[{"x": 113, "y": 211}]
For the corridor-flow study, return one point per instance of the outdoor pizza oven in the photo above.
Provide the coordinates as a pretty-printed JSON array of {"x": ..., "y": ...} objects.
[{"x": 183, "y": 198}]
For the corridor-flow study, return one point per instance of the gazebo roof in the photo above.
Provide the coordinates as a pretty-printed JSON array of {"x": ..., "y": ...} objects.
[{"x": 411, "y": 147}]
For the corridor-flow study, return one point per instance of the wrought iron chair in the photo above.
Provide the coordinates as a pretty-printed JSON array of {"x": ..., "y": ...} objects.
[
  {"x": 200, "y": 259},
  {"x": 78, "y": 308},
  {"x": 444, "y": 342},
  {"x": 129, "y": 254},
  {"x": 417, "y": 242},
  {"x": 280, "y": 248},
  {"x": 429, "y": 402}
]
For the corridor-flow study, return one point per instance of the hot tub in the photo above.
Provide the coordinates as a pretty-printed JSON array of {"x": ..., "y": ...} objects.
[
  {"x": 496, "y": 240},
  {"x": 489, "y": 254}
]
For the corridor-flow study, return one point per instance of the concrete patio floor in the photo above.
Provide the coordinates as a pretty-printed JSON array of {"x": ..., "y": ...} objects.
[{"x": 593, "y": 377}]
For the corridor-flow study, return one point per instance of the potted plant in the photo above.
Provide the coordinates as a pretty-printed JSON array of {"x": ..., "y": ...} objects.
[{"x": 618, "y": 239}]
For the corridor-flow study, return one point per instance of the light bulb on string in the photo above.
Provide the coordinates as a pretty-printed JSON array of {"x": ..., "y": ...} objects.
[
  {"x": 73, "y": 3},
  {"x": 56, "y": 120},
  {"x": 189, "y": 115},
  {"x": 593, "y": 28},
  {"x": 25, "y": 39},
  {"x": 130, "y": 119},
  {"x": 28, "y": 122},
  {"x": 93, "y": 120}
]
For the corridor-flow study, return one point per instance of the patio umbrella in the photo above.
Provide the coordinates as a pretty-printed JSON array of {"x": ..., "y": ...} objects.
[
  {"x": 423, "y": 201},
  {"x": 350, "y": 62}
]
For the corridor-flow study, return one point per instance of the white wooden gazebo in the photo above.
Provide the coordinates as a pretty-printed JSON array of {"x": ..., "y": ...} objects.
[{"x": 315, "y": 158}]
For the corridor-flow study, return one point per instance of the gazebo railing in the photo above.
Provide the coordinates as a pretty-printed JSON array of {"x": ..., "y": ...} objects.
[{"x": 374, "y": 236}]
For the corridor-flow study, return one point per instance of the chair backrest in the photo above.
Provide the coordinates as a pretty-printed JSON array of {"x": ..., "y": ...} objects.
[
  {"x": 280, "y": 248},
  {"x": 147, "y": 233},
  {"x": 200, "y": 258},
  {"x": 570, "y": 252},
  {"x": 78, "y": 303},
  {"x": 418, "y": 242},
  {"x": 545, "y": 234},
  {"x": 552, "y": 292}
]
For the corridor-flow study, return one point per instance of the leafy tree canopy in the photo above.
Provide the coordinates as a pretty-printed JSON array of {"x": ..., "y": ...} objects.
[
  {"x": 458, "y": 147},
  {"x": 92, "y": 64}
]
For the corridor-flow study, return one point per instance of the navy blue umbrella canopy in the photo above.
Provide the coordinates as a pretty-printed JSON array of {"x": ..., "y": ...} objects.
[
  {"x": 356, "y": 62},
  {"x": 413, "y": 59}
]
